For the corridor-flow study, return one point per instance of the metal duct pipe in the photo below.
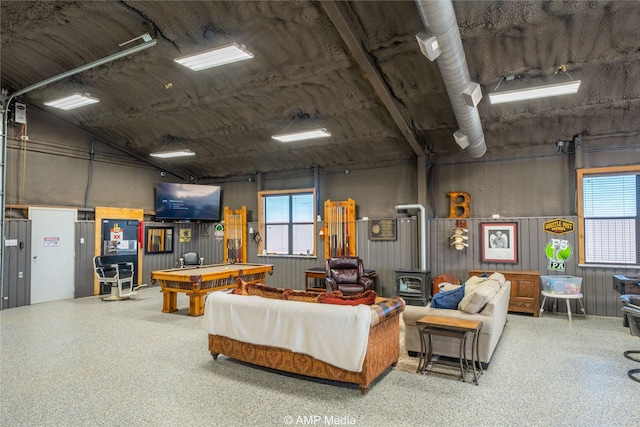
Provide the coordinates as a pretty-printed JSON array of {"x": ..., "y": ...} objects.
[
  {"x": 440, "y": 22},
  {"x": 423, "y": 233}
]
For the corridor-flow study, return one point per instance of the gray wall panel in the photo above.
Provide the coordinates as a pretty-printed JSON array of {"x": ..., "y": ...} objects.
[
  {"x": 84, "y": 249},
  {"x": 383, "y": 256},
  {"x": 16, "y": 290},
  {"x": 386, "y": 256}
]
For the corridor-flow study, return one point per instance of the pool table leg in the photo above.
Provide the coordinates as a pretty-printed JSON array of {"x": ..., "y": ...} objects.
[
  {"x": 169, "y": 301},
  {"x": 196, "y": 304}
]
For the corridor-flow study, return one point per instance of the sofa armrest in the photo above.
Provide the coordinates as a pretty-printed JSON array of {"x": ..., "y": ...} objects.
[
  {"x": 385, "y": 309},
  {"x": 366, "y": 282},
  {"x": 331, "y": 284}
]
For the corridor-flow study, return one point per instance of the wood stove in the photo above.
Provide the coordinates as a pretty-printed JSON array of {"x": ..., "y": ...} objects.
[{"x": 414, "y": 286}]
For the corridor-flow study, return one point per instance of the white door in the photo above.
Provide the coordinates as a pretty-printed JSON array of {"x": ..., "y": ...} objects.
[{"x": 52, "y": 253}]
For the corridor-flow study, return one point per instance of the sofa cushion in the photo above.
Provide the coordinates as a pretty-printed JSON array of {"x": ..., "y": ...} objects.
[
  {"x": 499, "y": 277},
  {"x": 264, "y": 291},
  {"x": 291, "y": 295},
  {"x": 478, "y": 296},
  {"x": 449, "y": 299},
  {"x": 366, "y": 297},
  {"x": 474, "y": 280}
]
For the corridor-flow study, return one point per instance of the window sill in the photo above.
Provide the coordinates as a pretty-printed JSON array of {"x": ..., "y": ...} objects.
[
  {"x": 286, "y": 256},
  {"x": 611, "y": 266}
]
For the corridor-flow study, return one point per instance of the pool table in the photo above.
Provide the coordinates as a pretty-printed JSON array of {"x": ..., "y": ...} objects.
[{"x": 198, "y": 281}]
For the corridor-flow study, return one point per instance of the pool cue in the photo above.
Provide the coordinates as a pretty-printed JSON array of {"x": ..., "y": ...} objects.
[
  {"x": 238, "y": 250},
  {"x": 331, "y": 253},
  {"x": 344, "y": 232},
  {"x": 235, "y": 223},
  {"x": 339, "y": 226},
  {"x": 228, "y": 229},
  {"x": 347, "y": 230},
  {"x": 337, "y": 231},
  {"x": 233, "y": 246}
]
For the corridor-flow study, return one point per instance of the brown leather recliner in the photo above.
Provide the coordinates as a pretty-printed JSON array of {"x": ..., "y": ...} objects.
[{"x": 346, "y": 274}]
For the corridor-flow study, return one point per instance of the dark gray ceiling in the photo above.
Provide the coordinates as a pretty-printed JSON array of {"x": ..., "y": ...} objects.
[{"x": 309, "y": 57}]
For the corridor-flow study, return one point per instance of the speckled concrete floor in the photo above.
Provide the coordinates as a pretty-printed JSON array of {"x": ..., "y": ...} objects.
[{"x": 87, "y": 362}]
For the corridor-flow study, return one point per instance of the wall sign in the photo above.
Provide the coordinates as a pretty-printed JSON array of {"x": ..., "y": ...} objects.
[
  {"x": 185, "y": 235},
  {"x": 558, "y": 252},
  {"x": 51, "y": 242},
  {"x": 459, "y": 204},
  {"x": 558, "y": 226},
  {"x": 382, "y": 229}
]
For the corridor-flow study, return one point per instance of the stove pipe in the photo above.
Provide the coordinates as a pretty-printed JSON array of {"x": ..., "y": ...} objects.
[{"x": 423, "y": 233}]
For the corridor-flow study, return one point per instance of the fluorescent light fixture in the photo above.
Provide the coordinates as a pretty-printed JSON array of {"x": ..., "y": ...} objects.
[
  {"x": 73, "y": 101},
  {"x": 175, "y": 153},
  {"x": 303, "y": 135},
  {"x": 535, "y": 92},
  {"x": 215, "y": 57}
]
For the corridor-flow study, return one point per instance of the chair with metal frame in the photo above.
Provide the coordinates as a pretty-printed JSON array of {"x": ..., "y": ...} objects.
[
  {"x": 631, "y": 309},
  {"x": 119, "y": 276},
  {"x": 190, "y": 259}
]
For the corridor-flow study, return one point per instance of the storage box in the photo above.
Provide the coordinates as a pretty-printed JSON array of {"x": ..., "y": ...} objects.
[{"x": 561, "y": 284}]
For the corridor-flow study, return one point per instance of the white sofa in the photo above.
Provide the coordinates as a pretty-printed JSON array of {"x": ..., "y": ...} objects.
[{"x": 493, "y": 316}]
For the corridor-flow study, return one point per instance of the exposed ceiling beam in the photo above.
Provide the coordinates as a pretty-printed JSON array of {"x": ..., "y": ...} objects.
[{"x": 335, "y": 12}]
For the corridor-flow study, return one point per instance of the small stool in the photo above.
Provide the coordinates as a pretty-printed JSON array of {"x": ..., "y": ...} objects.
[
  {"x": 565, "y": 297},
  {"x": 453, "y": 328}
]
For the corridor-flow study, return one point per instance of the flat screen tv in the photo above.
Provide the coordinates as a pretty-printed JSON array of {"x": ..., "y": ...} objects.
[{"x": 187, "y": 202}]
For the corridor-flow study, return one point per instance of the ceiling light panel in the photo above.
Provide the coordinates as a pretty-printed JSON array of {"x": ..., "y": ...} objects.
[
  {"x": 303, "y": 135},
  {"x": 72, "y": 101},
  {"x": 175, "y": 153},
  {"x": 535, "y": 92},
  {"x": 215, "y": 57}
]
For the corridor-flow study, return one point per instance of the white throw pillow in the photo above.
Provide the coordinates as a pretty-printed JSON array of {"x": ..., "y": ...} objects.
[
  {"x": 474, "y": 301},
  {"x": 498, "y": 277},
  {"x": 474, "y": 280}
]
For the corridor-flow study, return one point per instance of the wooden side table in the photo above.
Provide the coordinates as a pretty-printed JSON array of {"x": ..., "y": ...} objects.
[
  {"x": 453, "y": 328},
  {"x": 315, "y": 273}
]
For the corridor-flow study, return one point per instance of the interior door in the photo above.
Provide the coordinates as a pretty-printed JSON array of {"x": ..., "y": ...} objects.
[{"x": 52, "y": 253}]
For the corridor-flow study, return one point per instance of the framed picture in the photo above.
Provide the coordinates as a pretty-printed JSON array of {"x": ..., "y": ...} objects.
[{"x": 499, "y": 242}]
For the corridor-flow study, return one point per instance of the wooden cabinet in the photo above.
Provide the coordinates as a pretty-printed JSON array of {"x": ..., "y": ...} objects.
[{"x": 525, "y": 290}]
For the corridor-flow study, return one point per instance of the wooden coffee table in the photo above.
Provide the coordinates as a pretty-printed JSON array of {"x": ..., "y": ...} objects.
[{"x": 453, "y": 328}]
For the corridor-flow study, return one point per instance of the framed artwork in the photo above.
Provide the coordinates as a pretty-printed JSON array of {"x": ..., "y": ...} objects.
[{"x": 499, "y": 242}]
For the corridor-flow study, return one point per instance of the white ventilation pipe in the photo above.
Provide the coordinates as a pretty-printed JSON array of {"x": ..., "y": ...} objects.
[
  {"x": 443, "y": 44},
  {"x": 423, "y": 233}
]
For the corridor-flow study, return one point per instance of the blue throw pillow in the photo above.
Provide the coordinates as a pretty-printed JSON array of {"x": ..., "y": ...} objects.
[{"x": 449, "y": 299}]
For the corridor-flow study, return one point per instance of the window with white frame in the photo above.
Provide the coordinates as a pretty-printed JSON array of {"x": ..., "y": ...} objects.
[
  {"x": 287, "y": 222},
  {"x": 609, "y": 215}
]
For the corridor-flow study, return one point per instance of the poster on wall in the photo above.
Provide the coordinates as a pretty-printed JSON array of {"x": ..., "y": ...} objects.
[
  {"x": 185, "y": 235},
  {"x": 499, "y": 242},
  {"x": 382, "y": 229},
  {"x": 558, "y": 251}
]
